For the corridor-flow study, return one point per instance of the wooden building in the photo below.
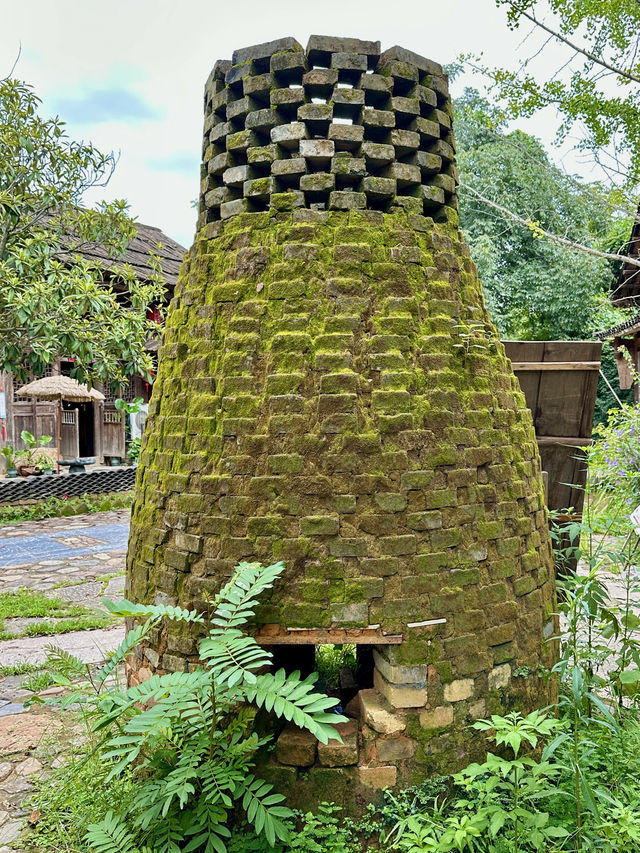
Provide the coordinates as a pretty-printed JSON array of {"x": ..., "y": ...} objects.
[
  {"x": 94, "y": 429},
  {"x": 625, "y": 336}
]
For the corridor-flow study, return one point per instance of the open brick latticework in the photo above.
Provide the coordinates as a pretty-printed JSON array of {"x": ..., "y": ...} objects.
[
  {"x": 340, "y": 124},
  {"x": 331, "y": 392}
]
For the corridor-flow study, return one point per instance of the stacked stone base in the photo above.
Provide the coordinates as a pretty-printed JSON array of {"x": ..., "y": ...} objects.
[{"x": 399, "y": 733}]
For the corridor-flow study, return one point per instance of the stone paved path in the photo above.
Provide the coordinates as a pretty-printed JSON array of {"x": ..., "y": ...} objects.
[{"x": 79, "y": 559}]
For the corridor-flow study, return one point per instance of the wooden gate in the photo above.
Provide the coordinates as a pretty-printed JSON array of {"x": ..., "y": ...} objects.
[
  {"x": 113, "y": 439},
  {"x": 38, "y": 418},
  {"x": 69, "y": 434},
  {"x": 559, "y": 380}
]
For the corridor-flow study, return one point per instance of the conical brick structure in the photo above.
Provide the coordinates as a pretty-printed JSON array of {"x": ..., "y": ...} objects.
[{"x": 331, "y": 392}]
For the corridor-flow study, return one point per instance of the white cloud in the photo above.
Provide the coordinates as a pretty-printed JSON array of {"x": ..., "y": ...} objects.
[{"x": 160, "y": 52}]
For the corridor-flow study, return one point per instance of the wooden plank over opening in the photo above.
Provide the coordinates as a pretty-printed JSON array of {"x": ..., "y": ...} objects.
[
  {"x": 277, "y": 635},
  {"x": 555, "y": 365}
]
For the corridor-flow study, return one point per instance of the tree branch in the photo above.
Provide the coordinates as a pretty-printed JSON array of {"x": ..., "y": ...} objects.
[
  {"x": 591, "y": 56},
  {"x": 556, "y": 238},
  {"x": 5, "y": 236}
]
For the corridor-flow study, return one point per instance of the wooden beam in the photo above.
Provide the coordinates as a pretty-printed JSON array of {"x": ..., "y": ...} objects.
[
  {"x": 564, "y": 439},
  {"x": 521, "y": 366},
  {"x": 276, "y": 635}
]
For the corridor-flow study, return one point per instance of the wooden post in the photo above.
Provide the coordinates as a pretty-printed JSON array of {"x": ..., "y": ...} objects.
[{"x": 59, "y": 433}]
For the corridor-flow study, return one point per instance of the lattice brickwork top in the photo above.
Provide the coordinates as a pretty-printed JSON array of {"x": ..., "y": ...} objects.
[{"x": 337, "y": 126}]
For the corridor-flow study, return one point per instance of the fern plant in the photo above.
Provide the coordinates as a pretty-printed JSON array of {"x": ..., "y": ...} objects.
[{"x": 188, "y": 737}]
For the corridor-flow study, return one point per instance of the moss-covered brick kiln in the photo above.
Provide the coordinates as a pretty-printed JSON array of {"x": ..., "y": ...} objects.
[{"x": 332, "y": 393}]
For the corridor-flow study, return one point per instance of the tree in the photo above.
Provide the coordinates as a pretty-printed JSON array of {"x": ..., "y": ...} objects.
[
  {"x": 54, "y": 301},
  {"x": 593, "y": 87},
  {"x": 596, "y": 85},
  {"x": 535, "y": 288}
]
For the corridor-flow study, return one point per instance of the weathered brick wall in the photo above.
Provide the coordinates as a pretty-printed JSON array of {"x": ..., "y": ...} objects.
[{"x": 332, "y": 392}]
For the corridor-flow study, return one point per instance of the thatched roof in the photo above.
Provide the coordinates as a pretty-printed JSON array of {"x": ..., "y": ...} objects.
[{"x": 59, "y": 388}]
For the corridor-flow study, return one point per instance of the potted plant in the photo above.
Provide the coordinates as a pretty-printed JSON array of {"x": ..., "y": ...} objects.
[
  {"x": 10, "y": 460},
  {"x": 28, "y": 461},
  {"x": 46, "y": 464}
]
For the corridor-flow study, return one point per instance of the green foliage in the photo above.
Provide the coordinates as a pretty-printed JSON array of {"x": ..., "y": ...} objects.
[
  {"x": 594, "y": 84},
  {"x": 605, "y": 399},
  {"x": 128, "y": 408},
  {"x": 27, "y": 603},
  {"x": 187, "y": 738},
  {"x": 9, "y": 454},
  {"x": 73, "y": 797},
  {"x": 534, "y": 289},
  {"x": 53, "y": 300},
  {"x": 33, "y": 603},
  {"x": 499, "y": 802},
  {"x": 18, "y": 669},
  {"x": 614, "y": 458},
  {"x": 55, "y": 507},
  {"x": 38, "y": 681},
  {"x": 331, "y": 659},
  {"x": 31, "y": 455}
]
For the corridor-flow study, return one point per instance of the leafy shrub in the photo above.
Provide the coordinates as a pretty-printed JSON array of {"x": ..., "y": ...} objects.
[
  {"x": 54, "y": 507},
  {"x": 330, "y": 659},
  {"x": 187, "y": 739},
  {"x": 614, "y": 458},
  {"x": 498, "y": 801}
]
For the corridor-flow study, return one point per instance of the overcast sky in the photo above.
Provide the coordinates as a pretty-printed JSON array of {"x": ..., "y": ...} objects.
[{"x": 129, "y": 76}]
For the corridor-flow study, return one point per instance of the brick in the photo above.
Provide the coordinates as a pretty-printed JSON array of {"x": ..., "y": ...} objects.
[
  {"x": 395, "y": 749},
  {"x": 396, "y": 674},
  {"x": 377, "y": 715},
  {"x": 336, "y": 754},
  {"x": 459, "y": 690},
  {"x": 346, "y": 503},
  {"x": 348, "y": 547},
  {"x": 391, "y": 502},
  {"x": 356, "y": 614},
  {"x": 418, "y": 479},
  {"x": 437, "y": 718},
  {"x": 378, "y": 778},
  {"x": 400, "y": 696},
  {"x": 499, "y": 677},
  {"x": 188, "y": 542},
  {"x": 296, "y": 747},
  {"x": 424, "y": 520},
  {"x": 319, "y": 525},
  {"x": 395, "y": 545}
]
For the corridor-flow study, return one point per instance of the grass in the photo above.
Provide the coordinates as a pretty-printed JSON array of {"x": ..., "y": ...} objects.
[
  {"x": 103, "y": 579},
  {"x": 38, "y": 681},
  {"x": 59, "y": 507},
  {"x": 76, "y": 795},
  {"x": 18, "y": 669},
  {"x": 33, "y": 604}
]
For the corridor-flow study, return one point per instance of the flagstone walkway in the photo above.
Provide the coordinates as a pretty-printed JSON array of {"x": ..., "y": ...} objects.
[{"x": 80, "y": 559}]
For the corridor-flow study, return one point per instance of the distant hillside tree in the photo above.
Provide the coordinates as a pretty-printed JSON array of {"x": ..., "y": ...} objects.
[{"x": 535, "y": 288}]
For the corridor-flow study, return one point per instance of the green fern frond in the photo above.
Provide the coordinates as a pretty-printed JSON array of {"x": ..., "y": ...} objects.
[
  {"x": 263, "y": 810},
  {"x": 110, "y": 836},
  {"x": 296, "y": 702},
  {"x": 63, "y": 663},
  {"x": 151, "y": 611},
  {"x": 206, "y": 828},
  {"x": 234, "y": 603},
  {"x": 234, "y": 657},
  {"x": 132, "y": 639}
]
